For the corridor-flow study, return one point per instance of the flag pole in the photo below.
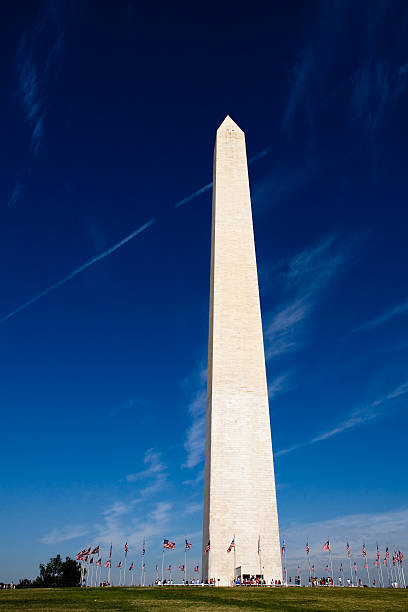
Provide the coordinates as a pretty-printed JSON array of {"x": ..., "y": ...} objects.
[
  {"x": 235, "y": 559},
  {"x": 110, "y": 566},
  {"x": 379, "y": 567},
  {"x": 286, "y": 571},
  {"x": 124, "y": 569},
  {"x": 308, "y": 559},
  {"x": 331, "y": 562},
  {"x": 366, "y": 564},
  {"x": 349, "y": 557},
  {"x": 185, "y": 559},
  {"x": 141, "y": 570},
  {"x": 259, "y": 553},
  {"x": 388, "y": 571},
  {"x": 397, "y": 558},
  {"x": 162, "y": 565}
]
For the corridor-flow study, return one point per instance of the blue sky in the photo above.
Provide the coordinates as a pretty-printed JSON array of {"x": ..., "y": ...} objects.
[{"x": 108, "y": 119}]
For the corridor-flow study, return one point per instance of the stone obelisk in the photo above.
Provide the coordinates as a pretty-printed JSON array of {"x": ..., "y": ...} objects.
[{"x": 239, "y": 488}]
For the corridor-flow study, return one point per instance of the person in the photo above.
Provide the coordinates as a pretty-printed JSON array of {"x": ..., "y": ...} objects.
[{"x": 374, "y": 583}]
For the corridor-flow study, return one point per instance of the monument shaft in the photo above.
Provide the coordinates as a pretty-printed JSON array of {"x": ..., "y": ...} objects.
[{"x": 239, "y": 488}]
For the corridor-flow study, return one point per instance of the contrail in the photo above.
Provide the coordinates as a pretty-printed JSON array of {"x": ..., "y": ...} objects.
[
  {"x": 207, "y": 187},
  {"x": 77, "y": 271},
  {"x": 193, "y": 195},
  {"x": 116, "y": 246}
]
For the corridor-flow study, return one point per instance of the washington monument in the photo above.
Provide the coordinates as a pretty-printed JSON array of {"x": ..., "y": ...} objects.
[{"x": 239, "y": 488}]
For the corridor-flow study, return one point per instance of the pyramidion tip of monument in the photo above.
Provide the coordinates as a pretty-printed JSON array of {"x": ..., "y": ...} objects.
[{"x": 229, "y": 125}]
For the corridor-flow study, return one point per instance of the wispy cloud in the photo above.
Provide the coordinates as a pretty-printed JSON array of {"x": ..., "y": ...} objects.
[
  {"x": 301, "y": 74},
  {"x": 307, "y": 275},
  {"x": 280, "y": 184},
  {"x": 124, "y": 522},
  {"x": 279, "y": 385},
  {"x": 77, "y": 271},
  {"x": 62, "y": 534},
  {"x": 401, "y": 308},
  {"x": 155, "y": 466},
  {"x": 195, "y": 441},
  {"x": 378, "y": 84},
  {"x": 373, "y": 410},
  {"x": 15, "y": 195},
  {"x": 377, "y": 89},
  {"x": 154, "y": 477},
  {"x": 38, "y": 51}
]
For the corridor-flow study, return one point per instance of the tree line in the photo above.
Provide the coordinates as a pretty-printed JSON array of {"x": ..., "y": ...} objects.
[{"x": 56, "y": 573}]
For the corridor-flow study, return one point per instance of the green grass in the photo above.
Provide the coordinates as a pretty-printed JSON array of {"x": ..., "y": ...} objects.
[{"x": 205, "y": 599}]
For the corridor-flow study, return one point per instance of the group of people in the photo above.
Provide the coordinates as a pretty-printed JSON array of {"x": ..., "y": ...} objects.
[{"x": 252, "y": 581}]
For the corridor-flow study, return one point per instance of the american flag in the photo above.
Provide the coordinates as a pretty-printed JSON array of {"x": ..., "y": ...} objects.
[
  {"x": 312, "y": 569},
  {"x": 95, "y": 551},
  {"x": 91, "y": 560},
  {"x": 327, "y": 568},
  {"x": 188, "y": 545},
  {"x": 168, "y": 544},
  {"x": 283, "y": 547},
  {"x": 119, "y": 564},
  {"x": 376, "y": 563},
  {"x": 181, "y": 568},
  {"x": 387, "y": 554},
  {"x": 355, "y": 566},
  {"x": 231, "y": 546},
  {"x": 341, "y": 567},
  {"x": 298, "y": 571},
  {"x": 307, "y": 548},
  {"x": 85, "y": 559},
  {"x": 384, "y": 561},
  {"x": 364, "y": 553},
  {"x": 401, "y": 556},
  {"x": 378, "y": 554},
  {"x": 110, "y": 552},
  {"x": 348, "y": 550},
  {"x": 131, "y": 567},
  {"x": 196, "y": 568},
  {"x": 143, "y": 566},
  {"x": 126, "y": 548},
  {"x": 365, "y": 564},
  {"x": 107, "y": 563},
  {"x": 143, "y": 549},
  {"x": 326, "y": 546},
  {"x": 169, "y": 568},
  {"x": 80, "y": 556},
  {"x": 99, "y": 561},
  {"x": 208, "y": 547}
]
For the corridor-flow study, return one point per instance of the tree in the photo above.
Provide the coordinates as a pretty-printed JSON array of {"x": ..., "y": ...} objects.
[
  {"x": 24, "y": 583},
  {"x": 58, "y": 573}
]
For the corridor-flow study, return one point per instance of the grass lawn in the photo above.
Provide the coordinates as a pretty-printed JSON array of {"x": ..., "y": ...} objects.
[{"x": 205, "y": 599}]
